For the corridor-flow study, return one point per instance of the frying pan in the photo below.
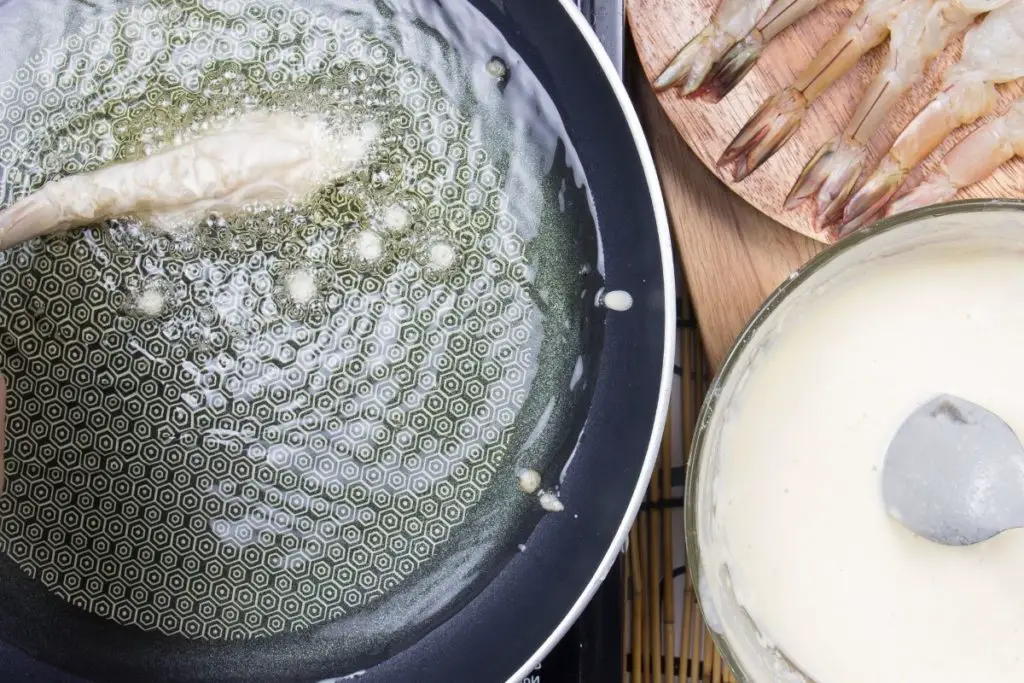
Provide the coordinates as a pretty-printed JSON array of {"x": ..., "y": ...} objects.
[{"x": 507, "y": 612}]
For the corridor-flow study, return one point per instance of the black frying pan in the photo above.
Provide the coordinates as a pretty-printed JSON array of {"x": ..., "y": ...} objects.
[{"x": 513, "y": 606}]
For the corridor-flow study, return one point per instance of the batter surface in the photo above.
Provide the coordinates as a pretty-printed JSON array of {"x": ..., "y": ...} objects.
[{"x": 843, "y": 591}]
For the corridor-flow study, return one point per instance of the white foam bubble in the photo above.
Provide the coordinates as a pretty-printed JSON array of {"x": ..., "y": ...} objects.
[
  {"x": 150, "y": 303},
  {"x": 396, "y": 217},
  {"x": 301, "y": 286},
  {"x": 441, "y": 255},
  {"x": 369, "y": 246}
]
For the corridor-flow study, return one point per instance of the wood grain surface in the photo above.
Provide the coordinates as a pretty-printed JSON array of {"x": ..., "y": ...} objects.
[
  {"x": 733, "y": 256},
  {"x": 661, "y": 27}
]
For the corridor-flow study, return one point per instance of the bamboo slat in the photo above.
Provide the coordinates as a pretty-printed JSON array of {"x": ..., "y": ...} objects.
[{"x": 657, "y": 575}]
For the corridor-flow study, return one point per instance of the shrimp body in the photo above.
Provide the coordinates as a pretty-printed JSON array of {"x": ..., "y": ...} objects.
[
  {"x": 917, "y": 35},
  {"x": 264, "y": 158},
  {"x": 972, "y": 160},
  {"x": 991, "y": 55}
]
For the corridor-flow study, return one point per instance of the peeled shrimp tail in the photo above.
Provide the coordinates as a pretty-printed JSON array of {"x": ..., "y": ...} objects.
[
  {"x": 958, "y": 105},
  {"x": 780, "y": 116},
  {"x": 728, "y": 71},
  {"x": 975, "y": 158},
  {"x": 688, "y": 69}
]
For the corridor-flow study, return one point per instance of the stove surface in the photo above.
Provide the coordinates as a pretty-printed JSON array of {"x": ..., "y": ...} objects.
[{"x": 608, "y": 19}]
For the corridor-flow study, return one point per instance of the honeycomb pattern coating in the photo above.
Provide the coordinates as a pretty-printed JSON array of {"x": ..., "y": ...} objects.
[{"x": 192, "y": 449}]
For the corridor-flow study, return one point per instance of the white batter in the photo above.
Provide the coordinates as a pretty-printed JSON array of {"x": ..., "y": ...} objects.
[{"x": 843, "y": 591}]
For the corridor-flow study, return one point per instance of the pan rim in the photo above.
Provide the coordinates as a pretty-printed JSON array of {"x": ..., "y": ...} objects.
[{"x": 628, "y": 110}]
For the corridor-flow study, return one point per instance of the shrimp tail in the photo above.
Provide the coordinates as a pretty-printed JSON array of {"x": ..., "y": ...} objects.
[
  {"x": 689, "y": 69},
  {"x": 766, "y": 131},
  {"x": 830, "y": 177},
  {"x": 871, "y": 198},
  {"x": 691, "y": 64},
  {"x": 730, "y": 69},
  {"x": 30, "y": 217}
]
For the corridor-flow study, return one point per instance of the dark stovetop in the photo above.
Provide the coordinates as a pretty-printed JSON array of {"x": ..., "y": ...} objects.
[
  {"x": 591, "y": 651},
  {"x": 607, "y": 18}
]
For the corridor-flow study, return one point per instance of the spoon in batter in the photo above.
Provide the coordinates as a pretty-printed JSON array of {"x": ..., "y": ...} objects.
[{"x": 954, "y": 473}]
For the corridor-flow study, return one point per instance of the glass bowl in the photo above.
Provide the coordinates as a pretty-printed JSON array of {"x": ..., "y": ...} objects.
[{"x": 956, "y": 226}]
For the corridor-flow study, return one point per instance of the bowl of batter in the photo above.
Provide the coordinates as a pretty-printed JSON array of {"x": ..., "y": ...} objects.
[{"x": 801, "y": 573}]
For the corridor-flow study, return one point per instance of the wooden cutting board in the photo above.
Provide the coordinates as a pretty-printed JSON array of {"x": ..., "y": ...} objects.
[
  {"x": 661, "y": 27},
  {"x": 733, "y": 256}
]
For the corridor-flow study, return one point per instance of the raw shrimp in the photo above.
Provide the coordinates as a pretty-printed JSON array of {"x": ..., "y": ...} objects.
[
  {"x": 920, "y": 32},
  {"x": 265, "y": 158},
  {"x": 733, "y": 19},
  {"x": 730, "y": 69},
  {"x": 778, "y": 118},
  {"x": 975, "y": 158},
  {"x": 991, "y": 55}
]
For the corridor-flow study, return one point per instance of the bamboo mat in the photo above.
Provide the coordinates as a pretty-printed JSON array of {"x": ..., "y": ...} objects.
[{"x": 664, "y": 638}]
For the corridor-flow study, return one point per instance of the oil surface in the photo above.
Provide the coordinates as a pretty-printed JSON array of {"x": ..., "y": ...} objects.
[{"x": 275, "y": 420}]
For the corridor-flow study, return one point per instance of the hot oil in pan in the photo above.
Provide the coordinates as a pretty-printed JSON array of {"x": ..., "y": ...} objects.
[{"x": 305, "y": 414}]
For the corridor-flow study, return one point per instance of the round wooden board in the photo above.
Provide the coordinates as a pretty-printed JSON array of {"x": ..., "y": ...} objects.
[{"x": 661, "y": 27}]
